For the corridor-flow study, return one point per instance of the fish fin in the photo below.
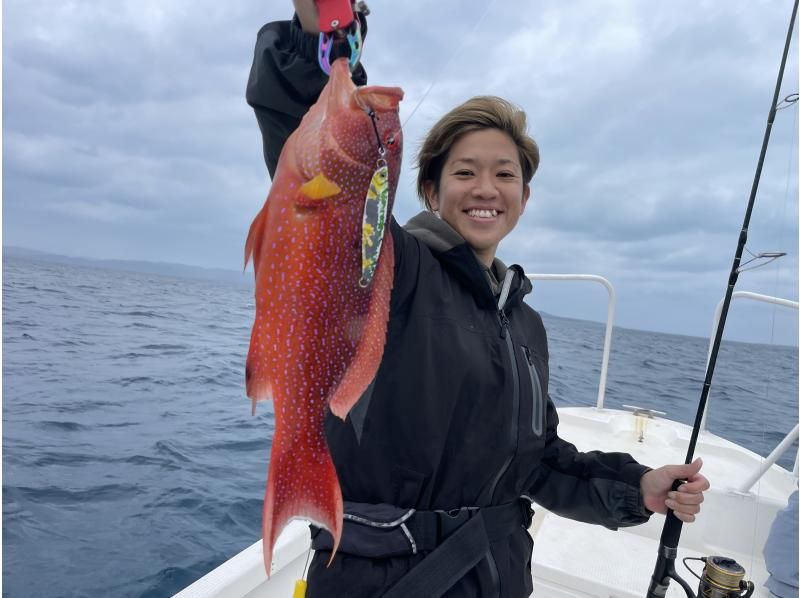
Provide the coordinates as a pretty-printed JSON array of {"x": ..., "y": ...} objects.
[
  {"x": 266, "y": 396},
  {"x": 365, "y": 363},
  {"x": 257, "y": 385},
  {"x": 301, "y": 484},
  {"x": 320, "y": 187},
  {"x": 255, "y": 237}
]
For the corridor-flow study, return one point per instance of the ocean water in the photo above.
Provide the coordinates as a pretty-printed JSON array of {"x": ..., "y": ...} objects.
[{"x": 132, "y": 465}]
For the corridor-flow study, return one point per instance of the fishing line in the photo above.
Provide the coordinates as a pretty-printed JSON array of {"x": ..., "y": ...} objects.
[
  {"x": 301, "y": 585},
  {"x": 305, "y": 567},
  {"x": 790, "y": 100},
  {"x": 458, "y": 50},
  {"x": 771, "y": 256},
  {"x": 789, "y": 169}
]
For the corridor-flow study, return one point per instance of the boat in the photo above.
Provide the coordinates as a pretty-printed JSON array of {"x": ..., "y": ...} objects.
[{"x": 578, "y": 560}]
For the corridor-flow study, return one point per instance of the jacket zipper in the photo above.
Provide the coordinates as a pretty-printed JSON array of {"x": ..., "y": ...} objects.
[
  {"x": 505, "y": 333},
  {"x": 537, "y": 405}
]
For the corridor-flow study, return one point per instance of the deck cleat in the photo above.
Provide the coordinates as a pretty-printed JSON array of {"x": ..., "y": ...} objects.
[{"x": 641, "y": 415}]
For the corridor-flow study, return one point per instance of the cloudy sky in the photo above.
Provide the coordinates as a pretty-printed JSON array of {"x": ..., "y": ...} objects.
[{"x": 126, "y": 135}]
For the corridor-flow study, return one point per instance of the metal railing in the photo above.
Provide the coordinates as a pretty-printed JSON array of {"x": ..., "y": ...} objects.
[
  {"x": 789, "y": 439},
  {"x": 782, "y": 447},
  {"x": 776, "y": 454},
  {"x": 612, "y": 305},
  {"x": 715, "y": 323}
]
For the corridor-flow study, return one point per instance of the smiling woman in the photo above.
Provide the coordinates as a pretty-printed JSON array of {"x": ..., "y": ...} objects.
[
  {"x": 480, "y": 191},
  {"x": 475, "y": 168},
  {"x": 456, "y": 435}
]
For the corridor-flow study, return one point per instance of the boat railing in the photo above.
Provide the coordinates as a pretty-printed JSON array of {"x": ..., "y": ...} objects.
[
  {"x": 612, "y": 306},
  {"x": 782, "y": 447},
  {"x": 715, "y": 323},
  {"x": 788, "y": 440},
  {"x": 773, "y": 457}
]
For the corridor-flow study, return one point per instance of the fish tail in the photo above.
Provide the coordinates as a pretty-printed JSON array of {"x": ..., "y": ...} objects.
[
  {"x": 302, "y": 484},
  {"x": 252, "y": 247}
]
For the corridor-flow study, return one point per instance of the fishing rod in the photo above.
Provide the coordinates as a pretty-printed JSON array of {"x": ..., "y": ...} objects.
[{"x": 722, "y": 577}]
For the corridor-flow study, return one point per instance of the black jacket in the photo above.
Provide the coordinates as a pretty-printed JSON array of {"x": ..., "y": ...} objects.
[{"x": 459, "y": 412}]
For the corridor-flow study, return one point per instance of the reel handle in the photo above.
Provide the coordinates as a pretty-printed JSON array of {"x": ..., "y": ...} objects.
[{"x": 748, "y": 588}]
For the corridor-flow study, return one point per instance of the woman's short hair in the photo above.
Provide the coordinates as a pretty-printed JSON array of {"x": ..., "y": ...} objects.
[{"x": 481, "y": 112}]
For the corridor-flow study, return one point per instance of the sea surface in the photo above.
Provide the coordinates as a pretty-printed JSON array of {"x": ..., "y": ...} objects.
[{"x": 132, "y": 465}]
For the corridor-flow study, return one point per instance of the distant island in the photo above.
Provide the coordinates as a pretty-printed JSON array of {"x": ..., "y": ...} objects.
[{"x": 244, "y": 280}]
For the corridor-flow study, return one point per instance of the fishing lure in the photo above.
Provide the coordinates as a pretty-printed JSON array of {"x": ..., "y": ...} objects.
[{"x": 373, "y": 222}]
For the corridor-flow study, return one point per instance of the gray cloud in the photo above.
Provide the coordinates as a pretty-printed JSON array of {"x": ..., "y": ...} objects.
[{"x": 127, "y": 135}]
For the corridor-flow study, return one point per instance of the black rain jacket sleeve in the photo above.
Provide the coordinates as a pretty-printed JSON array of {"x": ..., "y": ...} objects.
[
  {"x": 597, "y": 487},
  {"x": 593, "y": 487},
  {"x": 285, "y": 81}
]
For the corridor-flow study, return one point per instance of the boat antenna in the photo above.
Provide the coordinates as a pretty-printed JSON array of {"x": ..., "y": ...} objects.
[{"x": 670, "y": 536}]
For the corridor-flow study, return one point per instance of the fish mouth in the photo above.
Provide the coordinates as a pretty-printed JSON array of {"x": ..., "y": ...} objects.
[
  {"x": 377, "y": 99},
  {"x": 369, "y": 98}
]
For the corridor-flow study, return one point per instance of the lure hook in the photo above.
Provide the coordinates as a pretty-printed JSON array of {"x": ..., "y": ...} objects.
[{"x": 337, "y": 19}]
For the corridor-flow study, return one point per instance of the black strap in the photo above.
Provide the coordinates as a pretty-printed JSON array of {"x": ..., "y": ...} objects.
[
  {"x": 461, "y": 551},
  {"x": 443, "y": 567}
]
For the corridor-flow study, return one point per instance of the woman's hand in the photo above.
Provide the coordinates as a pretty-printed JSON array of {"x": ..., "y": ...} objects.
[
  {"x": 308, "y": 14},
  {"x": 658, "y": 496}
]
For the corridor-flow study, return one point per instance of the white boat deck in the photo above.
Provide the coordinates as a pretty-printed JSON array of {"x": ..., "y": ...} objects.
[
  {"x": 576, "y": 559},
  {"x": 572, "y": 559}
]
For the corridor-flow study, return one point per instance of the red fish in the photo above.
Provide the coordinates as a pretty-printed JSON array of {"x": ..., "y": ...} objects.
[{"x": 319, "y": 330}]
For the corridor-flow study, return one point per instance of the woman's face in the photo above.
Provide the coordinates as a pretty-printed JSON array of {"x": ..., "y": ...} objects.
[{"x": 481, "y": 191}]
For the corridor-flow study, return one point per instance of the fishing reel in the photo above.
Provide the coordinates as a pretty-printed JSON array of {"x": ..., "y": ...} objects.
[{"x": 722, "y": 577}]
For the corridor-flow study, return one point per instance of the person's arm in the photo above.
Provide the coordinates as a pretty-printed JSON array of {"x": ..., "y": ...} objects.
[
  {"x": 286, "y": 79},
  {"x": 612, "y": 489},
  {"x": 594, "y": 487},
  {"x": 308, "y": 15}
]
